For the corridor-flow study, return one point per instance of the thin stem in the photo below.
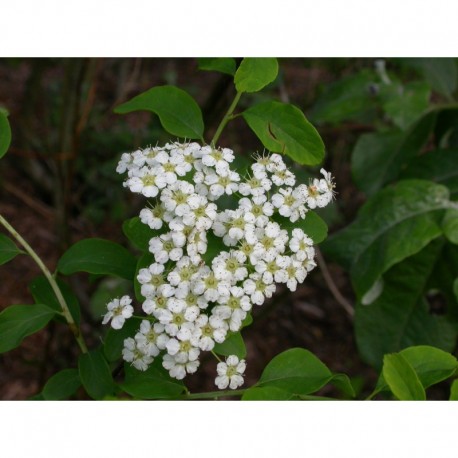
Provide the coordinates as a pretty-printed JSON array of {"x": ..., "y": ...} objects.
[
  {"x": 51, "y": 280},
  {"x": 213, "y": 394},
  {"x": 226, "y": 118},
  {"x": 332, "y": 286}
]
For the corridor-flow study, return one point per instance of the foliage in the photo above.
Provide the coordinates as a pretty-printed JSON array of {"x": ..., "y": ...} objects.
[{"x": 399, "y": 251}]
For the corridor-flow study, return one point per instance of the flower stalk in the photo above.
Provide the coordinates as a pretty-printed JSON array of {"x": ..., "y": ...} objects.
[{"x": 55, "y": 287}]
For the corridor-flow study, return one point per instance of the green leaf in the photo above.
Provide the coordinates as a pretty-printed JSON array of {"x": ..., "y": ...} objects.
[
  {"x": 255, "y": 73},
  {"x": 283, "y": 128},
  {"x": 450, "y": 225},
  {"x": 98, "y": 256},
  {"x": 347, "y": 99},
  {"x": 5, "y": 134},
  {"x": 454, "y": 391},
  {"x": 383, "y": 162},
  {"x": 441, "y": 74},
  {"x": 343, "y": 383},
  {"x": 218, "y": 64},
  {"x": 114, "y": 340},
  {"x": 312, "y": 225},
  {"x": 154, "y": 383},
  {"x": 62, "y": 385},
  {"x": 402, "y": 378},
  {"x": 403, "y": 103},
  {"x": 296, "y": 371},
  {"x": 440, "y": 166},
  {"x": 95, "y": 374},
  {"x": 393, "y": 225},
  {"x": 177, "y": 110},
  {"x": 140, "y": 234},
  {"x": 266, "y": 393},
  {"x": 19, "y": 321},
  {"x": 233, "y": 345},
  {"x": 43, "y": 293},
  {"x": 370, "y": 159},
  {"x": 431, "y": 364},
  {"x": 399, "y": 317},
  {"x": 8, "y": 249}
]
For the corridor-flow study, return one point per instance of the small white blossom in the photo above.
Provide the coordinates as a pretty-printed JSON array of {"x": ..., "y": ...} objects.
[
  {"x": 136, "y": 354},
  {"x": 230, "y": 373},
  {"x": 118, "y": 311}
]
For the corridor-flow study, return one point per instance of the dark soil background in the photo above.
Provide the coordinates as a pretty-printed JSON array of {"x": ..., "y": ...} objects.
[{"x": 58, "y": 185}]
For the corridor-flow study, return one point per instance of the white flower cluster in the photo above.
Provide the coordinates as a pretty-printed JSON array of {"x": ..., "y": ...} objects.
[{"x": 192, "y": 304}]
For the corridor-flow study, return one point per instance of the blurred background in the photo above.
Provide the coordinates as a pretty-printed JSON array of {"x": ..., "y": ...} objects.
[{"x": 58, "y": 185}]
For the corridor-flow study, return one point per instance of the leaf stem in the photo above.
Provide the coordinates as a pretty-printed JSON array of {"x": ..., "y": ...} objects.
[
  {"x": 66, "y": 312},
  {"x": 213, "y": 394},
  {"x": 226, "y": 119}
]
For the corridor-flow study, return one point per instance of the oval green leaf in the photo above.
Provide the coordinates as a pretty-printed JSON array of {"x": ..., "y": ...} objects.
[
  {"x": 400, "y": 317},
  {"x": 266, "y": 393},
  {"x": 218, "y": 64},
  {"x": 394, "y": 224},
  {"x": 140, "y": 234},
  {"x": 312, "y": 225},
  {"x": 98, "y": 256},
  {"x": 19, "y": 321},
  {"x": 8, "y": 249},
  {"x": 233, "y": 345},
  {"x": 95, "y": 374},
  {"x": 5, "y": 134},
  {"x": 296, "y": 371},
  {"x": 62, "y": 385},
  {"x": 43, "y": 293},
  {"x": 177, "y": 110},
  {"x": 283, "y": 128},
  {"x": 454, "y": 391},
  {"x": 154, "y": 383},
  {"x": 402, "y": 378},
  {"x": 255, "y": 73},
  {"x": 440, "y": 166}
]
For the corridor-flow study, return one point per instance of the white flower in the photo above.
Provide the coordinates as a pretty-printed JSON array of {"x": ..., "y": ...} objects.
[
  {"x": 146, "y": 181},
  {"x": 230, "y": 373},
  {"x": 176, "y": 315},
  {"x": 208, "y": 331},
  {"x": 255, "y": 186},
  {"x": 125, "y": 163},
  {"x": 201, "y": 214},
  {"x": 175, "y": 197},
  {"x": 282, "y": 177},
  {"x": 118, "y": 311},
  {"x": 153, "y": 217},
  {"x": 257, "y": 289},
  {"x": 164, "y": 248},
  {"x": 136, "y": 354},
  {"x": 179, "y": 365},
  {"x": 223, "y": 183},
  {"x": 151, "y": 278},
  {"x": 219, "y": 159},
  {"x": 301, "y": 245},
  {"x": 259, "y": 207},
  {"x": 229, "y": 266},
  {"x": 207, "y": 284},
  {"x": 234, "y": 308},
  {"x": 151, "y": 338}
]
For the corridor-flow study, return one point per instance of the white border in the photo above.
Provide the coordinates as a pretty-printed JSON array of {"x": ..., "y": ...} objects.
[
  {"x": 185, "y": 28},
  {"x": 228, "y": 429}
]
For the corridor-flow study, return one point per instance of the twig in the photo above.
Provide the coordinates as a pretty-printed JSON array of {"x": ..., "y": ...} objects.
[{"x": 332, "y": 286}]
